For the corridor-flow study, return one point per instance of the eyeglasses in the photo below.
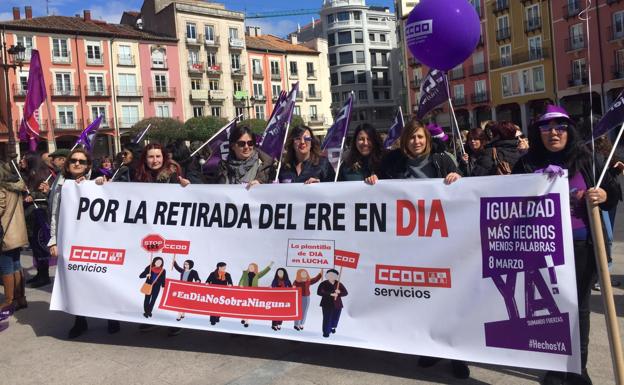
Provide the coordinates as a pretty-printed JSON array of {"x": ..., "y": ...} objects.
[
  {"x": 559, "y": 128},
  {"x": 82, "y": 162},
  {"x": 305, "y": 138},
  {"x": 242, "y": 143}
]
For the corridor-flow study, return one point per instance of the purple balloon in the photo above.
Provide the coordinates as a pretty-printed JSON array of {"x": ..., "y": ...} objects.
[{"x": 442, "y": 34}]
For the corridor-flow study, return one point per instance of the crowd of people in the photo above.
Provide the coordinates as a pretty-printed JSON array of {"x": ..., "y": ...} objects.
[{"x": 29, "y": 202}]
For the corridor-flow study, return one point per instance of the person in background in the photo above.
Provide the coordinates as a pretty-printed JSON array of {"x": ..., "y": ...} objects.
[
  {"x": 58, "y": 158},
  {"x": 303, "y": 162},
  {"x": 476, "y": 140},
  {"x": 104, "y": 168},
  {"x": 440, "y": 141},
  {"x": 501, "y": 153},
  {"x": 364, "y": 156}
]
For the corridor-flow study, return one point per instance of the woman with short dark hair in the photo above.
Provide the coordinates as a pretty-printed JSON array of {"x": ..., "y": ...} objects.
[
  {"x": 476, "y": 140},
  {"x": 302, "y": 161}
]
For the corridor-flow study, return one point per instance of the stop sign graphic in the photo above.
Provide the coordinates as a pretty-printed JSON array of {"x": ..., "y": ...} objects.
[{"x": 153, "y": 243}]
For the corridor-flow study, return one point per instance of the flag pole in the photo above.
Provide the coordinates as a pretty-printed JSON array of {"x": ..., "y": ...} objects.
[
  {"x": 401, "y": 114},
  {"x": 454, "y": 120},
  {"x": 19, "y": 175},
  {"x": 608, "y": 161},
  {"x": 215, "y": 135},
  {"x": 142, "y": 135}
]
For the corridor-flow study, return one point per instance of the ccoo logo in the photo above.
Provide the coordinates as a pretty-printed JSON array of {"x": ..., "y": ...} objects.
[{"x": 418, "y": 30}]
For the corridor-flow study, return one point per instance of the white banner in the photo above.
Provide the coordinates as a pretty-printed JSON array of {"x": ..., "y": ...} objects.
[{"x": 481, "y": 270}]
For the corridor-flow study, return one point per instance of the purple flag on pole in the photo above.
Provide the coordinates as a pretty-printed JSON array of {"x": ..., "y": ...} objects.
[
  {"x": 612, "y": 119},
  {"x": 275, "y": 132},
  {"x": 88, "y": 134},
  {"x": 219, "y": 147},
  {"x": 35, "y": 95},
  {"x": 332, "y": 145},
  {"x": 433, "y": 92},
  {"x": 394, "y": 132},
  {"x": 139, "y": 136}
]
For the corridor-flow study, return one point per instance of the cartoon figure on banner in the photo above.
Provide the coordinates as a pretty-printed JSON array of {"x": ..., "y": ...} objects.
[
  {"x": 187, "y": 274},
  {"x": 331, "y": 290},
  {"x": 250, "y": 278},
  {"x": 219, "y": 277},
  {"x": 155, "y": 275},
  {"x": 280, "y": 280},
  {"x": 303, "y": 282}
]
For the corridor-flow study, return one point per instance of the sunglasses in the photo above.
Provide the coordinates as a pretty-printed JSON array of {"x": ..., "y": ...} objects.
[
  {"x": 242, "y": 143},
  {"x": 305, "y": 138},
  {"x": 82, "y": 162},
  {"x": 559, "y": 128}
]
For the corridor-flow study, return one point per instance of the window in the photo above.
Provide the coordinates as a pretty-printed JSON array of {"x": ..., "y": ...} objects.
[
  {"x": 333, "y": 77},
  {"x": 297, "y": 111},
  {"x": 99, "y": 111},
  {"x": 198, "y": 111},
  {"x": 162, "y": 111},
  {"x": 361, "y": 77},
  {"x": 259, "y": 112},
  {"x": 209, "y": 33},
  {"x": 127, "y": 84},
  {"x": 233, "y": 33},
  {"x": 359, "y": 57},
  {"x": 66, "y": 117},
  {"x": 158, "y": 58},
  {"x": 532, "y": 17},
  {"x": 342, "y": 16},
  {"x": 312, "y": 90},
  {"x": 94, "y": 53},
  {"x": 573, "y": 7},
  {"x": 96, "y": 84},
  {"x": 347, "y": 77},
  {"x": 275, "y": 68},
  {"x": 23, "y": 83},
  {"x": 63, "y": 83},
  {"x": 358, "y": 36},
  {"x": 293, "y": 68},
  {"x": 346, "y": 57},
  {"x": 191, "y": 32},
  {"x": 160, "y": 82},
  {"x": 578, "y": 71},
  {"x": 535, "y": 48},
  {"x": 618, "y": 25},
  {"x": 211, "y": 59},
  {"x": 239, "y": 111},
  {"x": 538, "y": 79},
  {"x": 344, "y": 37},
  {"x": 276, "y": 89},
  {"x": 60, "y": 50},
  {"x": 124, "y": 54},
  {"x": 313, "y": 113},
  {"x": 577, "y": 38},
  {"x": 335, "y": 97},
  {"x": 363, "y": 95},
  {"x": 310, "y": 69},
  {"x": 213, "y": 85},
  {"x": 477, "y": 5},
  {"x": 129, "y": 115},
  {"x": 27, "y": 42},
  {"x": 196, "y": 84},
  {"x": 193, "y": 56},
  {"x": 357, "y": 15},
  {"x": 478, "y": 65},
  {"x": 382, "y": 37},
  {"x": 458, "y": 91},
  {"x": 505, "y": 55},
  {"x": 238, "y": 86},
  {"x": 331, "y": 40},
  {"x": 215, "y": 111},
  {"x": 332, "y": 59},
  {"x": 502, "y": 28},
  {"x": 235, "y": 61},
  {"x": 521, "y": 82},
  {"x": 371, "y": 36},
  {"x": 480, "y": 88},
  {"x": 256, "y": 66},
  {"x": 257, "y": 90},
  {"x": 330, "y": 18}
]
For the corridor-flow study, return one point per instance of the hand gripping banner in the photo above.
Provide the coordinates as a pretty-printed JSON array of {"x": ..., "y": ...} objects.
[{"x": 480, "y": 270}]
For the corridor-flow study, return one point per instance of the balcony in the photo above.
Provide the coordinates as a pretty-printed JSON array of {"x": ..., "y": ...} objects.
[
  {"x": 236, "y": 43},
  {"x": 314, "y": 95},
  {"x": 618, "y": 71},
  {"x": 503, "y": 34},
  {"x": 238, "y": 72},
  {"x": 575, "y": 43},
  {"x": 19, "y": 91},
  {"x": 276, "y": 76},
  {"x": 61, "y": 59},
  {"x": 381, "y": 83},
  {"x": 64, "y": 91},
  {"x": 199, "y": 95},
  {"x": 214, "y": 70},
  {"x": 572, "y": 9},
  {"x": 197, "y": 40},
  {"x": 519, "y": 58},
  {"x": 257, "y": 75},
  {"x": 501, "y": 6},
  {"x": 477, "y": 69},
  {"x": 536, "y": 54},
  {"x": 379, "y": 63},
  {"x": 311, "y": 74},
  {"x": 162, "y": 92},
  {"x": 67, "y": 124},
  {"x": 214, "y": 42},
  {"x": 129, "y": 91},
  {"x": 457, "y": 73},
  {"x": 104, "y": 123},
  {"x": 384, "y": 44},
  {"x": 415, "y": 84},
  {"x": 532, "y": 24},
  {"x": 125, "y": 60},
  {"x": 614, "y": 34},
  {"x": 95, "y": 61},
  {"x": 480, "y": 97},
  {"x": 96, "y": 92},
  {"x": 314, "y": 120},
  {"x": 459, "y": 101},
  {"x": 577, "y": 79},
  {"x": 195, "y": 68},
  {"x": 127, "y": 122},
  {"x": 216, "y": 95},
  {"x": 257, "y": 98}
]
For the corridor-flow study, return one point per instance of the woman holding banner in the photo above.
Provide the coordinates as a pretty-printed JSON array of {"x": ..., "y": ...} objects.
[
  {"x": 245, "y": 163},
  {"x": 303, "y": 162},
  {"x": 364, "y": 156},
  {"x": 303, "y": 283},
  {"x": 156, "y": 167},
  {"x": 250, "y": 278},
  {"x": 77, "y": 167},
  {"x": 556, "y": 145}
]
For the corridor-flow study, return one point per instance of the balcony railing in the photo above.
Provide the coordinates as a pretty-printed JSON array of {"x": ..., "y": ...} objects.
[
  {"x": 217, "y": 95},
  {"x": 276, "y": 76},
  {"x": 415, "y": 84},
  {"x": 215, "y": 69},
  {"x": 195, "y": 67},
  {"x": 575, "y": 43},
  {"x": 95, "y": 61},
  {"x": 61, "y": 59},
  {"x": 457, "y": 73},
  {"x": 572, "y": 9},
  {"x": 380, "y": 43},
  {"x": 381, "y": 83},
  {"x": 478, "y": 68},
  {"x": 258, "y": 75},
  {"x": 519, "y": 58},
  {"x": 129, "y": 91},
  {"x": 67, "y": 124},
  {"x": 311, "y": 74},
  {"x": 162, "y": 92},
  {"x": 214, "y": 42},
  {"x": 97, "y": 92},
  {"x": 316, "y": 95},
  {"x": 238, "y": 71},
  {"x": 199, "y": 94},
  {"x": 503, "y": 33},
  {"x": 480, "y": 97},
  {"x": 127, "y": 122},
  {"x": 618, "y": 71},
  {"x": 19, "y": 91},
  {"x": 379, "y": 63},
  {"x": 501, "y": 6},
  {"x": 314, "y": 119},
  {"x": 577, "y": 79},
  {"x": 459, "y": 101},
  {"x": 614, "y": 34},
  {"x": 104, "y": 123},
  {"x": 161, "y": 65},
  {"x": 125, "y": 60},
  {"x": 532, "y": 24},
  {"x": 236, "y": 43},
  {"x": 258, "y": 98},
  {"x": 71, "y": 91},
  {"x": 198, "y": 40}
]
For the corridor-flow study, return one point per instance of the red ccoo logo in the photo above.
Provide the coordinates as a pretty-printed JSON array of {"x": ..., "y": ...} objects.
[
  {"x": 412, "y": 276},
  {"x": 97, "y": 255}
]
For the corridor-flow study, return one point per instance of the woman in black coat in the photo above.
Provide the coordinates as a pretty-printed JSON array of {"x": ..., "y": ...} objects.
[
  {"x": 331, "y": 292},
  {"x": 155, "y": 275},
  {"x": 503, "y": 147},
  {"x": 303, "y": 162},
  {"x": 219, "y": 277},
  {"x": 187, "y": 274}
]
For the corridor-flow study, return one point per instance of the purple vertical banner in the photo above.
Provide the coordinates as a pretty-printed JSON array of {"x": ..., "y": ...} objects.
[
  {"x": 433, "y": 92},
  {"x": 332, "y": 144},
  {"x": 219, "y": 148},
  {"x": 35, "y": 95},
  {"x": 521, "y": 237},
  {"x": 272, "y": 142}
]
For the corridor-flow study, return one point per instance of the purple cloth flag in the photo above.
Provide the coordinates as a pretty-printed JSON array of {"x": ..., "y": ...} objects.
[
  {"x": 219, "y": 148},
  {"x": 433, "y": 92},
  {"x": 88, "y": 134},
  {"x": 332, "y": 145},
  {"x": 35, "y": 95},
  {"x": 272, "y": 141},
  {"x": 280, "y": 98},
  {"x": 139, "y": 136},
  {"x": 612, "y": 119},
  {"x": 394, "y": 132}
]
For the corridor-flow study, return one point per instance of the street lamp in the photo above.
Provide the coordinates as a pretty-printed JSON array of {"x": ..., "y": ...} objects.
[{"x": 17, "y": 56}]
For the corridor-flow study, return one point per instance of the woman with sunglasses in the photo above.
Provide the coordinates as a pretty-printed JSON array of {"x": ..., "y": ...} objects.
[
  {"x": 303, "y": 162},
  {"x": 556, "y": 145},
  {"x": 364, "y": 156},
  {"x": 476, "y": 140},
  {"x": 245, "y": 163},
  {"x": 77, "y": 167}
]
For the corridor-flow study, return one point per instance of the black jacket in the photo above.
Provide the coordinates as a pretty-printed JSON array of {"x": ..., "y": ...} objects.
[
  {"x": 213, "y": 279},
  {"x": 192, "y": 277},
  {"x": 506, "y": 150},
  {"x": 322, "y": 171},
  {"x": 264, "y": 174},
  {"x": 148, "y": 277},
  {"x": 326, "y": 289},
  {"x": 394, "y": 165}
]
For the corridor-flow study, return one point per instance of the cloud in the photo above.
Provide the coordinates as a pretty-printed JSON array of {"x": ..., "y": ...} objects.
[
  {"x": 6, "y": 16},
  {"x": 113, "y": 10},
  {"x": 270, "y": 26}
]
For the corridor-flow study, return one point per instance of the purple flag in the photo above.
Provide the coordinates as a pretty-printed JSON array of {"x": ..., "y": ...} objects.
[
  {"x": 219, "y": 147},
  {"x": 612, "y": 119},
  {"x": 433, "y": 92},
  {"x": 139, "y": 136},
  {"x": 35, "y": 95},
  {"x": 394, "y": 132},
  {"x": 88, "y": 134},
  {"x": 332, "y": 145},
  {"x": 280, "y": 98},
  {"x": 272, "y": 141}
]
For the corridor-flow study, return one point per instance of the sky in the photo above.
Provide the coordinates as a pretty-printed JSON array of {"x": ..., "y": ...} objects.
[{"x": 111, "y": 10}]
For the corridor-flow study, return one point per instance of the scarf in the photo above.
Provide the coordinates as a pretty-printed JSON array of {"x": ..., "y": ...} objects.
[
  {"x": 156, "y": 270},
  {"x": 418, "y": 167},
  {"x": 221, "y": 275},
  {"x": 238, "y": 169},
  {"x": 250, "y": 277}
]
